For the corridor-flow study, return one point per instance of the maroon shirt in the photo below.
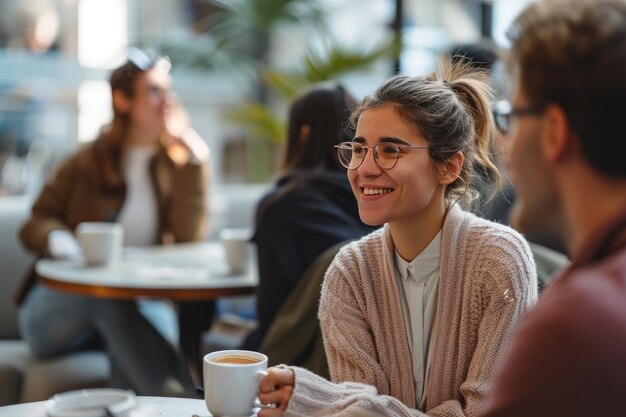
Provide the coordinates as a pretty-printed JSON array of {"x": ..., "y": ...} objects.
[{"x": 568, "y": 355}]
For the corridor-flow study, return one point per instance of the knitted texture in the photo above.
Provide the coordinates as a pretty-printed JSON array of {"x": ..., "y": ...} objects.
[{"x": 487, "y": 280}]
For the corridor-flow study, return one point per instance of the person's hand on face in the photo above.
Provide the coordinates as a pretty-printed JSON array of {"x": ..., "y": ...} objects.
[
  {"x": 183, "y": 142},
  {"x": 276, "y": 388}
]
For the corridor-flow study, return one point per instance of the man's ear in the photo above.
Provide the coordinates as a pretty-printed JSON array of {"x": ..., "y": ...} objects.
[
  {"x": 121, "y": 102},
  {"x": 557, "y": 138},
  {"x": 450, "y": 170}
]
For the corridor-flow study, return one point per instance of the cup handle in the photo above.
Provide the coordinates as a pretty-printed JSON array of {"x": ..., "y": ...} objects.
[{"x": 257, "y": 403}]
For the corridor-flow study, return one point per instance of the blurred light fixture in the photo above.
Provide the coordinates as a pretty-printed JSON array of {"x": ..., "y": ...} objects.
[
  {"x": 102, "y": 33},
  {"x": 94, "y": 109}
]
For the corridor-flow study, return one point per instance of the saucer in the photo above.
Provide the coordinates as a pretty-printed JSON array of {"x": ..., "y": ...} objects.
[{"x": 91, "y": 403}]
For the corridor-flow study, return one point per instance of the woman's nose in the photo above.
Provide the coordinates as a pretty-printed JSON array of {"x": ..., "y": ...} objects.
[{"x": 369, "y": 167}]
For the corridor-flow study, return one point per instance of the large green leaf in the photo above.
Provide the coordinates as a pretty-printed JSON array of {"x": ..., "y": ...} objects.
[
  {"x": 286, "y": 84},
  {"x": 265, "y": 15},
  {"x": 317, "y": 67},
  {"x": 260, "y": 121},
  {"x": 337, "y": 59},
  {"x": 330, "y": 64}
]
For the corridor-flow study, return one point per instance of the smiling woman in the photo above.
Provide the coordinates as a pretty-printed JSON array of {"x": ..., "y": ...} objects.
[{"x": 420, "y": 309}]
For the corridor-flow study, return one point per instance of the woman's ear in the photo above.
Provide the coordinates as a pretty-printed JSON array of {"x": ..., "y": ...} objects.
[
  {"x": 305, "y": 131},
  {"x": 450, "y": 170},
  {"x": 121, "y": 102}
]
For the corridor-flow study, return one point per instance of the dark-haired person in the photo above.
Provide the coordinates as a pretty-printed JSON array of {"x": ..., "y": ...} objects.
[
  {"x": 415, "y": 315},
  {"x": 312, "y": 206},
  {"x": 568, "y": 61},
  {"x": 147, "y": 173}
]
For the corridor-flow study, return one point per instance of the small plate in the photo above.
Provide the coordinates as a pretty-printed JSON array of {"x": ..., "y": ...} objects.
[{"x": 91, "y": 403}]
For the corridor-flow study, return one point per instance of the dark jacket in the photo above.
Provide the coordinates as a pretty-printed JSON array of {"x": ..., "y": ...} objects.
[
  {"x": 294, "y": 228},
  {"x": 79, "y": 192}
]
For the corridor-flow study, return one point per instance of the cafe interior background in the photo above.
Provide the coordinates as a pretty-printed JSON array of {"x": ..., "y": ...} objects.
[
  {"x": 55, "y": 56},
  {"x": 235, "y": 66}
]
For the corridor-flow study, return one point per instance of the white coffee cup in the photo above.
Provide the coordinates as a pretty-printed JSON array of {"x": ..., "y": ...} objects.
[
  {"x": 231, "y": 381},
  {"x": 101, "y": 242},
  {"x": 236, "y": 243}
]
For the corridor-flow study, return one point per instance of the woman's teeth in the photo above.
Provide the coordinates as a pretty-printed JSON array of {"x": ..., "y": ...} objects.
[{"x": 375, "y": 191}]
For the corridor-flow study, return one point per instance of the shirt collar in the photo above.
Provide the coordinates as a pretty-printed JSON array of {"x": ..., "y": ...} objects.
[{"x": 426, "y": 262}]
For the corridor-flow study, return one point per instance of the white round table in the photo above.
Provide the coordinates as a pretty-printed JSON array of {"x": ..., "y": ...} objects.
[
  {"x": 186, "y": 271},
  {"x": 146, "y": 407}
]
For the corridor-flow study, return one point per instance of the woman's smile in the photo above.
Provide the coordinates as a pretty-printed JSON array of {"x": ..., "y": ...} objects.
[{"x": 375, "y": 191}]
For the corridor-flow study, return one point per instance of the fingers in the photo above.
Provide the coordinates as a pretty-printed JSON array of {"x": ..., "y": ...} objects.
[
  {"x": 196, "y": 144},
  {"x": 280, "y": 396},
  {"x": 276, "y": 377},
  {"x": 276, "y": 388}
]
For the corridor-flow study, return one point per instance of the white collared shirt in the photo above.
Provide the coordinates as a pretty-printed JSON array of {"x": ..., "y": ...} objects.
[{"x": 418, "y": 282}]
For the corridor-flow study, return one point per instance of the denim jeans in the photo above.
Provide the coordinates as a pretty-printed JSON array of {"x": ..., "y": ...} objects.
[{"x": 55, "y": 323}]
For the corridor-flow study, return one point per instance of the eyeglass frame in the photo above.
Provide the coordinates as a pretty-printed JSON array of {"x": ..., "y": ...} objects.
[
  {"x": 504, "y": 109},
  {"x": 375, "y": 149}
]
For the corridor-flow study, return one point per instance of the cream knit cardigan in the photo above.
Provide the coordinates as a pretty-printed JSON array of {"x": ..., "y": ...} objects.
[{"x": 487, "y": 280}]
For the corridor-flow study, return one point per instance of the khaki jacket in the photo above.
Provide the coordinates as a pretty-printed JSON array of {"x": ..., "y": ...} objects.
[{"x": 78, "y": 192}]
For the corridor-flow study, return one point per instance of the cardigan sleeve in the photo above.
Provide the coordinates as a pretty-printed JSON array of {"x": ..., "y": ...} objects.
[
  {"x": 348, "y": 339},
  {"x": 49, "y": 209},
  {"x": 506, "y": 287},
  {"x": 314, "y": 396}
]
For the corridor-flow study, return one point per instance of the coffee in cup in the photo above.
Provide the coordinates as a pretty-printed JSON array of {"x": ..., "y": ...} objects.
[
  {"x": 101, "y": 242},
  {"x": 236, "y": 360},
  {"x": 231, "y": 381}
]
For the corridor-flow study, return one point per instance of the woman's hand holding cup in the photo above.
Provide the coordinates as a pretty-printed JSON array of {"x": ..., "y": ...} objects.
[{"x": 276, "y": 388}]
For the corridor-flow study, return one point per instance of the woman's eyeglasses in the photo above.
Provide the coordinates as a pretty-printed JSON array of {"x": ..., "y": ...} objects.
[
  {"x": 503, "y": 112},
  {"x": 352, "y": 154}
]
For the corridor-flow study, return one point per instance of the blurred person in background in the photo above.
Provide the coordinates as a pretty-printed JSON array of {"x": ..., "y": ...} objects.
[
  {"x": 415, "y": 315},
  {"x": 147, "y": 171},
  {"x": 311, "y": 208},
  {"x": 35, "y": 26},
  {"x": 566, "y": 157}
]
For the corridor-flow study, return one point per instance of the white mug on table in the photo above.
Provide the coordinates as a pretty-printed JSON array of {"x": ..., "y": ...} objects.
[
  {"x": 236, "y": 243},
  {"x": 101, "y": 242},
  {"x": 231, "y": 381}
]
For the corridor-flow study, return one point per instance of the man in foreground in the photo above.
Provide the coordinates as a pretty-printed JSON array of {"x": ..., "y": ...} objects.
[{"x": 567, "y": 159}]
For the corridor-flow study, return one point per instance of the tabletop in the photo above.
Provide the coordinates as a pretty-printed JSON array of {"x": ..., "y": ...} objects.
[
  {"x": 185, "y": 271},
  {"x": 146, "y": 407}
]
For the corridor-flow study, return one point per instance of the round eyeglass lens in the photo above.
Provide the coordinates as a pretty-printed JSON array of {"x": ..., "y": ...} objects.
[
  {"x": 386, "y": 155},
  {"x": 347, "y": 156}
]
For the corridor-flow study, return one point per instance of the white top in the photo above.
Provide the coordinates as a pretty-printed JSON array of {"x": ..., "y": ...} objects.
[
  {"x": 418, "y": 281},
  {"x": 139, "y": 212}
]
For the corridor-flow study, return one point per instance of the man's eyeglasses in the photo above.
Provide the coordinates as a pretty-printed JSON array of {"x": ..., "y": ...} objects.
[
  {"x": 352, "y": 154},
  {"x": 146, "y": 60},
  {"x": 503, "y": 112}
]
